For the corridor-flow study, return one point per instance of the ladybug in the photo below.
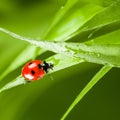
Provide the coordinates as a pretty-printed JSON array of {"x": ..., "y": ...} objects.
[{"x": 35, "y": 69}]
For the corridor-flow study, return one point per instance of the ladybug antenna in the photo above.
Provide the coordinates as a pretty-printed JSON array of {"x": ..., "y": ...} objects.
[{"x": 47, "y": 66}]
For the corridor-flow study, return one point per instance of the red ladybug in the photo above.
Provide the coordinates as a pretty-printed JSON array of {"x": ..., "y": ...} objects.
[{"x": 35, "y": 69}]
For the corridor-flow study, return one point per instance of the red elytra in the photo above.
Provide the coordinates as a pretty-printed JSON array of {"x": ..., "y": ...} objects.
[{"x": 35, "y": 69}]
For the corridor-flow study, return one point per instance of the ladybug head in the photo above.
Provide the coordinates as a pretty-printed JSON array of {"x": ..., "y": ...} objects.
[{"x": 46, "y": 66}]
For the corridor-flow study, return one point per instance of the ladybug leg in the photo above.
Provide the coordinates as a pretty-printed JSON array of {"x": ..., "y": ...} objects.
[
  {"x": 51, "y": 66},
  {"x": 27, "y": 81},
  {"x": 47, "y": 66}
]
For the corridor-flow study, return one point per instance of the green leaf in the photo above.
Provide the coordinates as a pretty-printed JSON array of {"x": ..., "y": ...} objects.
[
  {"x": 12, "y": 17},
  {"x": 55, "y": 20},
  {"x": 59, "y": 64},
  {"x": 60, "y": 13},
  {"x": 77, "y": 16},
  {"x": 102, "y": 23},
  {"x": 87, "y": 88},
  {"x": 90, "y": 52},
  {"x": 18, "y": 81}
]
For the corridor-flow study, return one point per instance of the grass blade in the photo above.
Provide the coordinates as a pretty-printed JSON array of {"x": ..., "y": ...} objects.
[
  {"x": 87, "y": 88},
  {"x": 91, "y": 52},
  {"x": 100, "y": 24},
  {"x": 59, "y": 62},
  {"x": 18, "y": 81}
]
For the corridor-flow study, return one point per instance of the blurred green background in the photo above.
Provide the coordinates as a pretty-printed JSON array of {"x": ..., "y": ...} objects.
[{"x": 48, "y": 99}]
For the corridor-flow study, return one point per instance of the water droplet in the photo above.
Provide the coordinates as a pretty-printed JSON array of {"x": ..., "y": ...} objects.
[
  {"x": 72, "y": 53},
  {"x": 91, "y": 53},
  {"x": 90, "y": 35},
  {"x": 62, "y": 7},
  {"x": 98, "y": 55},
  {"x": 109, "y": 64},
  {"x": 83, "y": 60},
  {"x": 51, "y": 77}
]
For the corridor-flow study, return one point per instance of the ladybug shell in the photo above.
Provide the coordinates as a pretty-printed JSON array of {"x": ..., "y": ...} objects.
[{"x": 32, "y": 70}]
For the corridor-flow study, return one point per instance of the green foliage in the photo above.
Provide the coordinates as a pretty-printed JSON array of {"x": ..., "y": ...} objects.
[
  {"x": 93, "y": 81},
  {"x": 66, "y": 33}
]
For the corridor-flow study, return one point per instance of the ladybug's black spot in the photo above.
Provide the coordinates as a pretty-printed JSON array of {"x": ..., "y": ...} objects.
[
  {"x": 39, "y": 66},
  {"x": 33, "y": 72},
  {"x": 30, "y": 63}
]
